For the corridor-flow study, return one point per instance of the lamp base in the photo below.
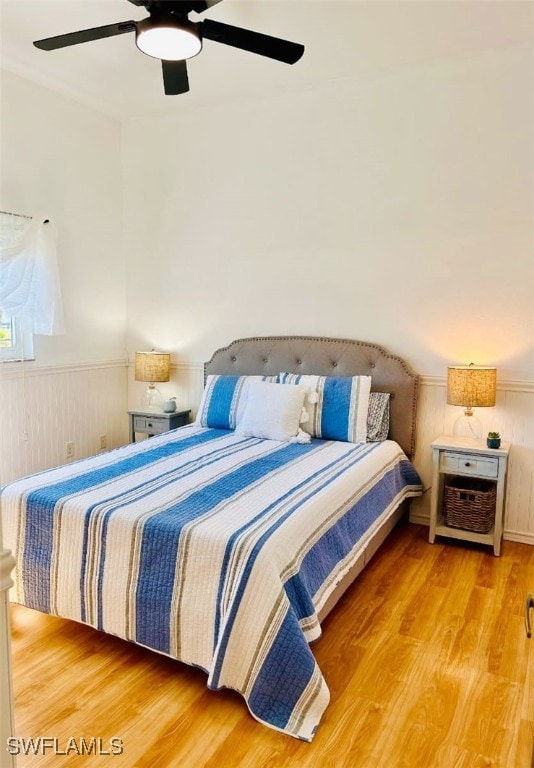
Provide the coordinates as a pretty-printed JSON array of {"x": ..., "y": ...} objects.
[
  {"x": 152, "y": 399},
  {"x": 467, "y": 425}
]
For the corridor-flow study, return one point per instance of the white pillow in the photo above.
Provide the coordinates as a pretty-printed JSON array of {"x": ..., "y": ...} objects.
[{"x": 273, "y": 412}]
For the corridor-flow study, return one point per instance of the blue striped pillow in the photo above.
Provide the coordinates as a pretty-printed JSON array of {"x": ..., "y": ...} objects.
[
  {"x": 223, "y": 400},
  {"x": 340, "y": 412}
]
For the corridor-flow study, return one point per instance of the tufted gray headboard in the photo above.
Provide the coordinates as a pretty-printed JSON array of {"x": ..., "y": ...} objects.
[{"x": 270, "y": 355}]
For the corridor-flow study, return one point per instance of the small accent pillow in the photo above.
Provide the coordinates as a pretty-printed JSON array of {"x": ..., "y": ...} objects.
[
  {"x": 223, "y": 400},
  {"x": 378, "y": 417},
  {"x": 341, "y": 409},
  {"x": 273, "y": 412}
]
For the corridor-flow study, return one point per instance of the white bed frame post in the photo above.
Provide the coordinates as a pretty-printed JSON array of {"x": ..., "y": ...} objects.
[{"x": 7, "y": 719}]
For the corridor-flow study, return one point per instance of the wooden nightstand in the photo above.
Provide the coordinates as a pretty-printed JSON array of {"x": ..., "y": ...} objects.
[
  {"x": 468, "y": 458},
  {"x": 155, "y": 422}
]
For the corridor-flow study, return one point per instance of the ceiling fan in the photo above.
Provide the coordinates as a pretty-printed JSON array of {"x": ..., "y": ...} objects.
[{"x": 167, "y": 34}]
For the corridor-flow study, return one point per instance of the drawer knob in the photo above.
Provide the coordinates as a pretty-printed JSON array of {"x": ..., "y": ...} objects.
[{"x": 467, "y": 463}]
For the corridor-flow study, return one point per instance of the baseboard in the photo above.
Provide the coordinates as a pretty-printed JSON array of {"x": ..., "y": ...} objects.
[
  {"x": 518, "y": 536},
  {"x": 419, "y": 519}
]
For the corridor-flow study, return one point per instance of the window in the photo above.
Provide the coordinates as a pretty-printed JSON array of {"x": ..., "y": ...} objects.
[
  {"x": 16, "y": 338},
  {"x": 7, "y": 333}
]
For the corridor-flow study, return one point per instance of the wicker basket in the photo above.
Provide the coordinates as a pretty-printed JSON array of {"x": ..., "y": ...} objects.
[{"x": 469, "y": 504}]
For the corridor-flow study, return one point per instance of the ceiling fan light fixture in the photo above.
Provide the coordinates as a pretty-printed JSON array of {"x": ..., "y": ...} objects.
[{"x": 168, "y": 38}]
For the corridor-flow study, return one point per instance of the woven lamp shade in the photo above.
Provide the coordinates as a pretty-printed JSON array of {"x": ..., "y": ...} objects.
[
  {"x": 471, "y": 386},
  {"x": 152, "y": 366}
]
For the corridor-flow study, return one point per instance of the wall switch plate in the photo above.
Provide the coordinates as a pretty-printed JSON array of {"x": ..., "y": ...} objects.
[
  {"x": 103, "y": 442},
  {"x": 69, "y": 452}
]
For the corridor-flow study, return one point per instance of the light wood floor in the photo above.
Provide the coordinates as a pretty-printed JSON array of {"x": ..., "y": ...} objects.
[{"x": 426, "y": 659}]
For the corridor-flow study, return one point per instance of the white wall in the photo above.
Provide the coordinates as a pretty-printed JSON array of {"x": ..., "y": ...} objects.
[
  {"x": 64, "y": 160},
  {"x": 396, "y": 209}
]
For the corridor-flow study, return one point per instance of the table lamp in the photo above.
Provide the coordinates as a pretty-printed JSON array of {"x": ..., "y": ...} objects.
[
  {"x": 152, "y": 367},
  {"x": 470, "y": 386}
]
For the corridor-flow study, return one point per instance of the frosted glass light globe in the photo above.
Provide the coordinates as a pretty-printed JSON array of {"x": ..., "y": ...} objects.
[{"x": 171, "y": 39}]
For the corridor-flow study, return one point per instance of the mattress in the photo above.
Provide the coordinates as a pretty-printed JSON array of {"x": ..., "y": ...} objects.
[{"x": 211, "y": 548}]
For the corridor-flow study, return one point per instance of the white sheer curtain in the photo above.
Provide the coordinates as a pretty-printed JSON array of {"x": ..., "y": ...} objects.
[{"x": 29, "y": 278}]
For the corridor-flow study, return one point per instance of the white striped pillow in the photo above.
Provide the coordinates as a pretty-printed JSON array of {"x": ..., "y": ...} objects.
[{"x": 340, "y": 412}]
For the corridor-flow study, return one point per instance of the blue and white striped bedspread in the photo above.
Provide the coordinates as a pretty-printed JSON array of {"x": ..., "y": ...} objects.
[{"x": 214, "y": 549}]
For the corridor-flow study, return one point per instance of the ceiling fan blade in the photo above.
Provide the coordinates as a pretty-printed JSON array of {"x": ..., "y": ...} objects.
[
  {"x": 255, "y": 42},
  {"x": 175, "y": 78},
  {"x": 199, "y": 6},
  {"x": 85, "y": 36}
]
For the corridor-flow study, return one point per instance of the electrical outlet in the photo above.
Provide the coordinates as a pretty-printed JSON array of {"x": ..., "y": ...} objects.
[
  {"x": 103, "y": 442},
  {"x": 69, "y": 452}
]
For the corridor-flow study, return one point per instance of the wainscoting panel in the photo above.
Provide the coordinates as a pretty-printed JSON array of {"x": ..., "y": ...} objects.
[{"x": 43, "y": 409}]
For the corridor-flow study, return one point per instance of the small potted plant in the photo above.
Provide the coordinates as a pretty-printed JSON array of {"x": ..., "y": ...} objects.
[
  {"x": 493, "y": 440},
  {"x": 169, "y": 406}
]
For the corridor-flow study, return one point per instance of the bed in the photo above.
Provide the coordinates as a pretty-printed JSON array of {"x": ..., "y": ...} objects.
[{"x": 218, "y": 547}]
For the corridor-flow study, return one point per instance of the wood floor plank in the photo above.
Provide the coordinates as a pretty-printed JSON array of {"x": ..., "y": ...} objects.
[
  {"x": 524, "y": 757},
  {"x": 491, "y": 718},
  {"x": 425, "y": 656}
]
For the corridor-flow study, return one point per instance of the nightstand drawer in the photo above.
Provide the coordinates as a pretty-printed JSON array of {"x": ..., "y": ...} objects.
[
  {"x": 150, "y": 424},
  {"x": 469, "y": 465},
  {"x": 156, "y": 423}
]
